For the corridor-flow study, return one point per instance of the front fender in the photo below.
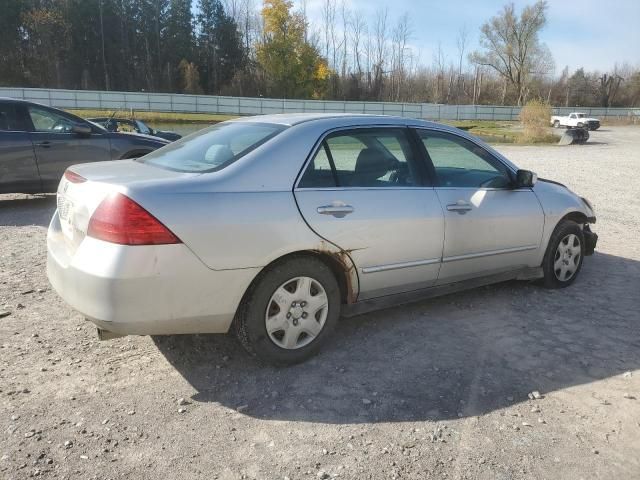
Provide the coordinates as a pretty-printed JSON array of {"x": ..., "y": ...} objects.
[{"x": 557, "y": 202}]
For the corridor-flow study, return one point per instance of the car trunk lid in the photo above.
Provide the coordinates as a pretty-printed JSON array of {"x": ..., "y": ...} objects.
[{"x": 82, "y": 191}]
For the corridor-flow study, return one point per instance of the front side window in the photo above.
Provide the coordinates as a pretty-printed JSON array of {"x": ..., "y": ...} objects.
[
  {"x": 367, "y": 157},
  {"x": 213, "y": 148},
  {"x": 47, "y": 121},
  {"x": 460, "y": 163}
]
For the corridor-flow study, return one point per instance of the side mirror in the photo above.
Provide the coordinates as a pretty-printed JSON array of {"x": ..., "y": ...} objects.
[
  {"x": 525, "y": 179},
  {"x": 80, "y": 129}
]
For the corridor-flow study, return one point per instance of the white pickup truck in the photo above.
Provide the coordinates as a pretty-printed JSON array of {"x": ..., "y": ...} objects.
[{"x": 576, "y": 119}]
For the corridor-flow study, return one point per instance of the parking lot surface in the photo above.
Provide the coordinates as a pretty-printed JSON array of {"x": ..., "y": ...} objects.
[{"x": 436, "y": 389}]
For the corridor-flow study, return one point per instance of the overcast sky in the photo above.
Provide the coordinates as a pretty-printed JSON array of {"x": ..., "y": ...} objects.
[{"x": 594, "y": 34}]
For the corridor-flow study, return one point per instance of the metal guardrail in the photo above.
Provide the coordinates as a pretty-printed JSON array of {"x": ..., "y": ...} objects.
[{"x": 178, "y": 103}]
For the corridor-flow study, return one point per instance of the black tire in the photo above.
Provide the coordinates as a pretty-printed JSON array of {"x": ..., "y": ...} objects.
[
  {"x": 249, "y": 322},
  {"x": 560, "y": 234},
  {"x": 580, "y": 125}
]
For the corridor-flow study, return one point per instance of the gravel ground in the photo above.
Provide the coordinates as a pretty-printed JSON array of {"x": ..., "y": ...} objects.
[{"x": 438, "y": 389}]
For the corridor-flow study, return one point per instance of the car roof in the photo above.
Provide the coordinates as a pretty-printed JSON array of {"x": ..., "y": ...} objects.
[
  {"x": 18, "y": 100},
  {"x": 291, "y": 119}
]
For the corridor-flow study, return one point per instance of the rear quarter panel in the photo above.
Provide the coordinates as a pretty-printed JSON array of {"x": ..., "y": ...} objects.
[{"x": 230, "y": 230}]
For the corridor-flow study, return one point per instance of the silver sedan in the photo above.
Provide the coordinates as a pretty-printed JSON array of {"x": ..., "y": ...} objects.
[{"x": 275, "y": 226}]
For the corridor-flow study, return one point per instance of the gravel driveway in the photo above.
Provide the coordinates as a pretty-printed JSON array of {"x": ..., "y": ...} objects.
[{"x": 437, "y": 389}]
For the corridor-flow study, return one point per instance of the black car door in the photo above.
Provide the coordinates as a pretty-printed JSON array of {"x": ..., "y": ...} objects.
[
  {"x": 57, "y": 146},
  {"x": 18, "y": 168}
]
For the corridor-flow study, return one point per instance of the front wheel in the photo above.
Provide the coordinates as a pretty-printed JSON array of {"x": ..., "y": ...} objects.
[
  {"x": 565, "y": 252},
  {"x": 290, "y": 311}
]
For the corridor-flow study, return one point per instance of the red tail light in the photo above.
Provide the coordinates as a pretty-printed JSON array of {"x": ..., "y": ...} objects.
[
  {"x": 73, "y": 177},
  {"x": 118, "y": 219}
]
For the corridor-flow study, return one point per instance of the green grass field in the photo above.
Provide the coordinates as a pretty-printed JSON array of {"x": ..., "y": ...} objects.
[
  {"x": 493, "y": 131},
  {"x": 489, "y": 130},
  {"x": 156, "y": 117}
]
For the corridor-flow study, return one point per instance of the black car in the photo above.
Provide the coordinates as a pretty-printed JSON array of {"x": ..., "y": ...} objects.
[
  {"x": 38, "y": 143},
  {"x": 126, "y": 125}
]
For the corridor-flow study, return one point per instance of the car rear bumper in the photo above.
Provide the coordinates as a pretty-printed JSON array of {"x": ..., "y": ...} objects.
[{"x": 145, "y": 290}]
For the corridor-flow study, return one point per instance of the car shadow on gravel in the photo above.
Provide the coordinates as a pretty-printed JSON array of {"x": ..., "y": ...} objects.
[
  {"x": 458, "y": 356},
  {"x": 23, "y": 210}
]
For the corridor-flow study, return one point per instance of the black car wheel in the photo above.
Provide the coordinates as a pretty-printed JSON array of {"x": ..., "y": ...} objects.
[
  {"x": 290, "y": 311},
  {"x": 565, "y": 252}
]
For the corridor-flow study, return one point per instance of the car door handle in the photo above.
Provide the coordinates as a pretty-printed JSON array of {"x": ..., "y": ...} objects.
[
  {"x": 45, "y": 144},
  {"x": 460, "y": 206},
  {"x": 337, "y": 211}
]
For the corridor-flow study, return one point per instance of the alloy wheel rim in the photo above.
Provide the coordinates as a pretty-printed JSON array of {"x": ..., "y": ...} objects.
[
  {"x": 296, "y": 313},
  {"x": 567, "y": 258}
]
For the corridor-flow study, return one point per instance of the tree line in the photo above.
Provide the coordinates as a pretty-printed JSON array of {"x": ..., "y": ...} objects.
[{"x": 271, "y": 49}]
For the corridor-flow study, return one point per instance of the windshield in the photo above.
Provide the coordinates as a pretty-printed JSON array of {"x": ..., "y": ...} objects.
[
  {"x": 213, "y": 148},
  {"x": 142, "y": 127}
]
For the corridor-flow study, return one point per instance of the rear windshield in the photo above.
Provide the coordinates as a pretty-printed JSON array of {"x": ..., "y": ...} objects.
[{"x": 212, "y": 148}]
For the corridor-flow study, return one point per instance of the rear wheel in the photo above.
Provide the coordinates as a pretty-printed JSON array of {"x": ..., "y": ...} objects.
[
  {"x": 290, "y": 311},
  {"x": 565, "y": 253}
]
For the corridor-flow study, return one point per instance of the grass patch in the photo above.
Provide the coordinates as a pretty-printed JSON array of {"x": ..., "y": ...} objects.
[
  {"x": 535, "y": 117},
  {"x": 490, "y": 131},
  {"x": 156, "y": 117},
  {"x": 496, "y": 131}
]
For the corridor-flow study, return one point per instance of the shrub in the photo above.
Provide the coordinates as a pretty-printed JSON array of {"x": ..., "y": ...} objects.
[{"x": 535, "y": 117}]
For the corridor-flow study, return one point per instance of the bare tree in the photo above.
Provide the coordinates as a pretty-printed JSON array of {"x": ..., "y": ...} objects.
[
  {"x": 401, "y": 36},
  {"x": 609, "y": 85},
  {"x": 303, "y": 12},
  {"x": 477, "y": 84},
  {"x": 512, "y": 48},
  {"x": 461, "y": 43},
  {"x": 380, "y": 50},
  {"x": 344, "y": 44},
  {"x": 439, "y": 66},
  {"x": 329, "y": 20},
  {"x": 358, "y": 29}
]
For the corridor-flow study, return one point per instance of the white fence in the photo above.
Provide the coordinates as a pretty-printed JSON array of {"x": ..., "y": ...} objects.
[{"x": 166, "y": 102}]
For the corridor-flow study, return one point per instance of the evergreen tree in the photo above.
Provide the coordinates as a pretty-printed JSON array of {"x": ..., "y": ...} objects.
[
  {"x": 11, "y": 54},
  {"x": 178, "y": 40},
  {"x": 219, "y": 44}
]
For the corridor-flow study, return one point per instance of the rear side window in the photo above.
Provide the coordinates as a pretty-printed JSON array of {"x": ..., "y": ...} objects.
[
  {"x": 213, "y": 148},
  {"x": 8, "y": 118},
  {"x": 367, "y": 157}
]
